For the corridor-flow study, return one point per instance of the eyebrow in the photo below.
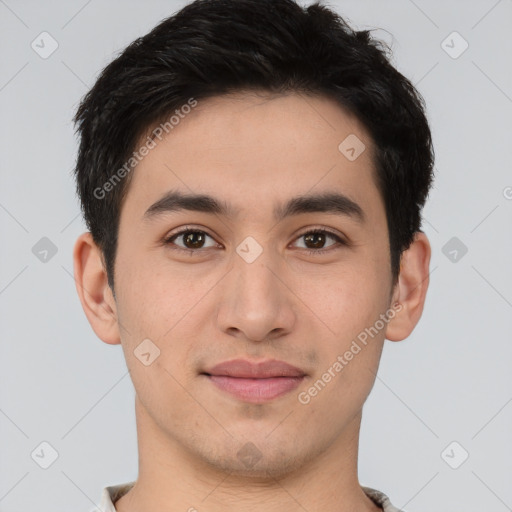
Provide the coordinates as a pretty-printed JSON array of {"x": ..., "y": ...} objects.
[{"x": 327, "y": 202}]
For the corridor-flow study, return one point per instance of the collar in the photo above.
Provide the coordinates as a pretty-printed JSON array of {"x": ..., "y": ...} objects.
[{"x": 112, "y": 493}]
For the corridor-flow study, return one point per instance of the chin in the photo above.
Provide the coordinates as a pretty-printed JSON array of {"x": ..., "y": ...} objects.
[{"x": 256, "y": 460}]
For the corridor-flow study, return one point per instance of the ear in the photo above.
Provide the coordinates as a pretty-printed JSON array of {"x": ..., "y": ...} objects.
[
  {"x": 411, "y": 288},
  {"x": 93, "y": 289}
]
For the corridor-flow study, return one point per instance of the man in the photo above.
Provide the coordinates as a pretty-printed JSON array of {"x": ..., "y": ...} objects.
[{"x": 252, "y": 175}]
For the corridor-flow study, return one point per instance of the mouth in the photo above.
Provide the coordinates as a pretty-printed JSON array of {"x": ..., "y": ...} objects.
[
  {"x": 255, "y": 382},
  {"x": 255, "y": 390}
]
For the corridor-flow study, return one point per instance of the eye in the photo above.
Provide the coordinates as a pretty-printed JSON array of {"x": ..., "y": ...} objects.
[
  {"x": 317, "y": 237},
  {"x": 193, "y": 239}
]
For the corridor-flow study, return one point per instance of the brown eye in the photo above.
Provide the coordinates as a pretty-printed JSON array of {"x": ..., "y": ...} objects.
[
  {"x": 315, "y": 241},
  {"x": 192, "y": 240}
]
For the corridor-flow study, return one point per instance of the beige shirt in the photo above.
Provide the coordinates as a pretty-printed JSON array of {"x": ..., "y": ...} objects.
[{"x": 112, "y": 493}]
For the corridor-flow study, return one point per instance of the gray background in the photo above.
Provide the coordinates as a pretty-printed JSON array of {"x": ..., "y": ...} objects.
[{"x": 450, "y": 381}]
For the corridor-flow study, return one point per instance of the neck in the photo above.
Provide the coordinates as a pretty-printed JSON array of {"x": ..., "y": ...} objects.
[{"x": 173, "y": 478}]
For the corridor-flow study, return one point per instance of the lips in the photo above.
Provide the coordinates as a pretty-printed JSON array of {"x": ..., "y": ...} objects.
[
  {"x": 241, "y": 368},
  {"x": 255, "y": 382}
]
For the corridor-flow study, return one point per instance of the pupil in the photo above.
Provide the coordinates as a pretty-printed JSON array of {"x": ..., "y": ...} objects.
[
  {"x": 189, "y": 238},
  {"x": 312, "y": 236}
]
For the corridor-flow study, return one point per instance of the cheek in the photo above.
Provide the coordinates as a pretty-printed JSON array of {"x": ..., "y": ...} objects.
[
  {"x": 154, "y": 299},
  {"x": 350, "y": 309},
  {"x": 166, "y": 308},
  {"x": 352, "y": 348},
  {"x": 347, "y": 299}
]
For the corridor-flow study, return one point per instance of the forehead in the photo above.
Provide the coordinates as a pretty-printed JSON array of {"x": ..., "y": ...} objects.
[{"x": 250, "y": 148}]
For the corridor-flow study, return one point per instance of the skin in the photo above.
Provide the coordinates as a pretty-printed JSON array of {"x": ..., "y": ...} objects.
[{"x": 251, "y": 151}]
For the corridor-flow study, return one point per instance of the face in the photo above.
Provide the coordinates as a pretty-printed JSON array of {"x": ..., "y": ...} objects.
[{"x": 250, "y": 281}]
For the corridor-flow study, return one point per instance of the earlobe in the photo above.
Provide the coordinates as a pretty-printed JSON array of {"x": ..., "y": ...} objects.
[
  {"x": 93, "y": 290},
  {"x": 411, "y": 289}
]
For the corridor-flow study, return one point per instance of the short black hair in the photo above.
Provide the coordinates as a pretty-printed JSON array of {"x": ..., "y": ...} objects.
[{"x": 216, "y": 47}]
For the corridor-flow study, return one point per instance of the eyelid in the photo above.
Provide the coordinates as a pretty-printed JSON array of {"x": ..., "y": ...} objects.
[
  {"x": 185, "y": 229},
  {"x": 322, "y": 229},
  {"x": 340, "y": 241}
]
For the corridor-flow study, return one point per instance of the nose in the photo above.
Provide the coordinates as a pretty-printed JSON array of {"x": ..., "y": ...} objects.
[{"x": 256, "y": 302}]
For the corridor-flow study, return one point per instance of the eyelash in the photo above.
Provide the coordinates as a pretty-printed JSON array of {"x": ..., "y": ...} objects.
[{"x": 169, "y": 240}]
